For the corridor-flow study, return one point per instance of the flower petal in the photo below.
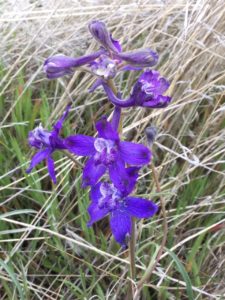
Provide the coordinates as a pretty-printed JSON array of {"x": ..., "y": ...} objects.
[
  {"x": 58, "y": 125},
  {"x": 80, "y": 144},
  {"x": 149, "y": 76},
  {"x": 60, "y": 65},
  {"x": 105, "y": 129},
  {"x": 58, "y": 74},
  {"x": 140, "y": 208},
  {"x": 100, "y": 32},
  {"x": 132, "y": 173},
  {"x": 96, "y": 213},
  {"x": 124, "y": 179},
  {"x": 116, "y": 44},
  {"x": 117, "y": 173},
  {"x": 37, "y": 158},
  {"x": 95, "y": 193},
  {"x": 120, "y": 223},
  {"x": 51, "y": 168},
  {"x": 140, "y": 58},
  {"x": 104, "y": 67},
  {"x": 158, "y": 102},
  {"x": 163, "y": 85},
  {"x": 92, "y": 172},
  {"x": 134, "y": 154}
]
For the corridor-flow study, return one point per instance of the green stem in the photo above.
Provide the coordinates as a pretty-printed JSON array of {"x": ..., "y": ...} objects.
[
  {"x": 132, "y": 242},
  {"x": 71, "y": 157},
  {"x": 132, "y": 245},
  {"x": 149, "y": 272}
]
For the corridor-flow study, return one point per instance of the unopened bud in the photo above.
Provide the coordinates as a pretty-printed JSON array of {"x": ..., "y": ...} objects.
[
  {"x": 151, "y": 133},
  {"x": 140, "y": 58},
  {"x": 100, "y": 32}
]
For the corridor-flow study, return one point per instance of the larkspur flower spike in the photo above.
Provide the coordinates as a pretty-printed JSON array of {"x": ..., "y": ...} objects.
[
  {"x": 108, "y": 155},
  {"x": 108, "y": 200}
]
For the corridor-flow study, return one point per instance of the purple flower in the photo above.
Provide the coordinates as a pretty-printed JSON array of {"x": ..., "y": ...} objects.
[
  {"x": 104, "y": 63},
  {"x": 60, "y": 65},
  {"x": 147, "y": 92},
  {"x": 106, "y": 152},
  {"x": 104, "y": 67},
  {"x": 138, "y": 59},
  {"x": 101, "y": 34},
  {"x": 47, "y": 142},
  {"x": 133, "y": 60},
  {"x": 107, "y": 199}
]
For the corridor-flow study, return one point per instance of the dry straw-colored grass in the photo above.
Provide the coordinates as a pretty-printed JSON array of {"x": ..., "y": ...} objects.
[{"x": 189, "y": 151}]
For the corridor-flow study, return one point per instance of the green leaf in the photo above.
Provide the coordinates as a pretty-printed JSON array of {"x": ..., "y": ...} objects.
[
  {"x": 11, "y": 273},
  {"x": 184, "y": 274}
]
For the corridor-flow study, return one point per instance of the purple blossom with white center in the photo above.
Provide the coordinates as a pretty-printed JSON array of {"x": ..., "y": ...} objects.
[
  {"x": 104, "y": 67},
  {"x": 109, "y": 200},
  {"x": 147, "y": 92},
  {"x": 106, "y": 152},
  {"x": 47, "y": 142}
]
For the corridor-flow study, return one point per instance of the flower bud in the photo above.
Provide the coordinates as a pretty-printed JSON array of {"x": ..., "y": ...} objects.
[
  {"x": 60, "y": 65},
  {"x": 99, "y": 31},
  {"x": 151, "y": 133},
  {"x": 141, "y": 58}
]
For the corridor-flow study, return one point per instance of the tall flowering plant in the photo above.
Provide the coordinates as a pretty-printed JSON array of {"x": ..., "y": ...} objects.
[{"x": 112, "y": 165}]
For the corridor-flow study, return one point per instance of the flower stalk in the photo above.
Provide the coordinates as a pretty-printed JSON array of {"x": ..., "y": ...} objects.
[
  {"x": 132, "y": 246},
  {"x": 149, "y": 272},
  {"x": 111, "y": 170}
]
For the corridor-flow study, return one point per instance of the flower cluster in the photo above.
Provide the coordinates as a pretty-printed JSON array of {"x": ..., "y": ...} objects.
[{"x": 112, "y": 165}]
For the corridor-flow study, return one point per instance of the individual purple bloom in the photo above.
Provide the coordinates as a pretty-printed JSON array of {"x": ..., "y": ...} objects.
[
  {"x": 47, "y": 142},
  {"x": 60, "y": 65},
  {"x": 100, "y": 32},
  {"x": 104, "y": 67},
  {"x": 109, "y": 200},
  {"x": 106, "y": 152},
  {"x": 138, "y": 59},
  {"x": 147, "y": 92}
]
